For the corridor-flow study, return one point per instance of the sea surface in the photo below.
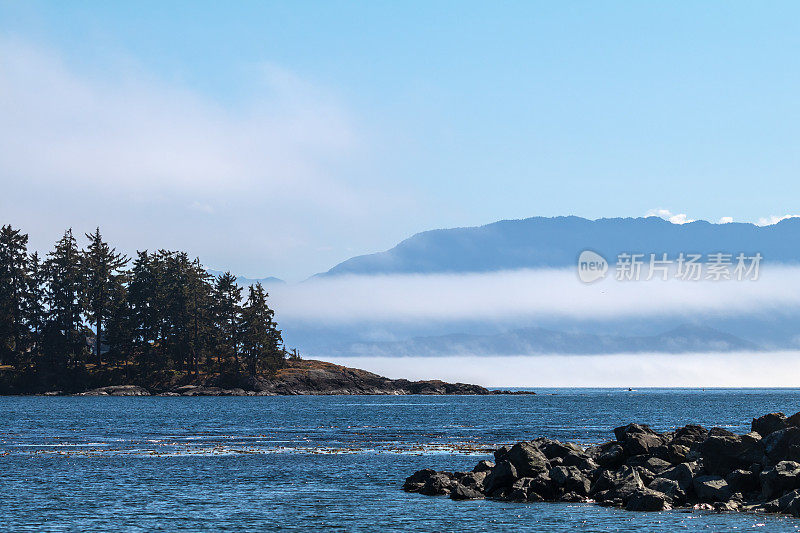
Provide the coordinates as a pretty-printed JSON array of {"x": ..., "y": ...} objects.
[{"x": 327, "y": 463}]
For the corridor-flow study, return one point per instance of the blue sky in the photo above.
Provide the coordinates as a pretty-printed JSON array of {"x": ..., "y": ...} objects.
[{"x": 280, "y": 138}]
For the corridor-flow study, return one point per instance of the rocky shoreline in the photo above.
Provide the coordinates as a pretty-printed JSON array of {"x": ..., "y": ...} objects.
[
  {"x": 304, "y": 377},
  {"x": 642, "y": 470}
]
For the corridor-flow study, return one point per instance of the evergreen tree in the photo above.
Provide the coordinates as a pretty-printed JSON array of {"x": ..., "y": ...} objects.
[
  {"x": 102, "y": 268},
  {"x": 14, "y": 286},
  {"x": 228, "y": 312},
  {"x": 63, "y": 336},
  {"x": 261, "y": 340}
]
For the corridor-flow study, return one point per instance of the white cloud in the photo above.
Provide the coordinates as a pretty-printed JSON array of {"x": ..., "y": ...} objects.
[
  {"x": 774, "y": 219},
  {"x": 726, "y": 220},
  {"x": 527, "y": 293},
  {"x": 258, "y": 186},
  {"x": 666, "y": 214}
]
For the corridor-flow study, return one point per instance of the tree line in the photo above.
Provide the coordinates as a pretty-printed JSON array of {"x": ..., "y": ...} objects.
[{"x": 93, "y": 307}]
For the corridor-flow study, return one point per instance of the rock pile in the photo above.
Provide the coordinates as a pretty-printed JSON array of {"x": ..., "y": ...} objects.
[{"x": 642, "y": 470}]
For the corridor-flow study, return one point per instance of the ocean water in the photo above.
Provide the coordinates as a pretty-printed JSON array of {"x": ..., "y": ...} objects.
[{"x": 326, "y": 463}]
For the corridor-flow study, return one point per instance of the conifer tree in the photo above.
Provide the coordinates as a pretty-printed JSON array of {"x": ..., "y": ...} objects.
[
  {"x": 101, "y": 268},
  {"x": 261, "y": 340},
  {"x": 13, "y": 290},
  {"x": 63, "y": 273},
  {"x": 228, "y": 312}
]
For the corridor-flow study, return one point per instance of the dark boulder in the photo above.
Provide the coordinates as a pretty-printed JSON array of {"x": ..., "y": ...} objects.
[
  {"x": 483, "y": 466},
  {"x": 790, "y": 503},
  {"x": 724, "y": 452},
  {"x": 610, "y": 455},
  {"x": 501, "y": 453},
  {"x": 683, "y": 473},
  {"x": 743, "y": 481},
  {"x": 536, "y": 488},
  {"x": 711, "y": 489},
  {"x": 678, "y": 448},
  {"x": 570, "y": 479},
  {"x": 460, "y": 492},
  {"x": 638, "y": 439},
  {"x": 528, "y": 459},
  {"x": 770, "y": 423},
  {"x": 783, "y": 445},
  {"x": 647, "y": 500},
  {"x": 417, "y": 480},
  {"x": 670, "y": 488},
  {"x": 784, "y": 476},
  {"x": 617, "y": 484},
  {"x": 501, "y": 476},
  {"x": 439, "y": 483}
]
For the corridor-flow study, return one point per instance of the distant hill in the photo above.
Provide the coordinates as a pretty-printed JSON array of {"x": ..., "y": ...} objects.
[
  {"x": 535, "y": 341},
  {"x": 246, "y": 282},
  {"x": 556, "y": 242}
]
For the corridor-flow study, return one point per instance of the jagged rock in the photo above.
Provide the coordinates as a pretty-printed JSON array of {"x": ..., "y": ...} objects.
[
  {"x": 782, "y": 477},
  {"x": 742, "y": 480},
  {"x": 528, "y": 459},
  {"x": 783, "y": 445},
  {"x": 683, "y": 473},
  {"x": 638, "y": 439},
  {"x": 670, "y": 488},
  {"x": 647, "y": 500},
  {"x": 501, "y": 476},
  {"x": 501, "y": 453},
  {"x": 610, "y": 455},
  {"x": 770, "y": 423},
  {"x": 483, "y": 466},
  {"x": 711, "y": 488},
  {"x": 619, "y": 483},
  {"x": 790, "y": 503},
  {"x": 552, "y": 448},
  {"x": 439, "y": 483},
  {"x": 724, "y": 452},
  {"x": 460, "y": 492},
  {"x": 727, "y": 472},
  {"x": 417, "y": 480},
  {"x": 570, "y": 479}
]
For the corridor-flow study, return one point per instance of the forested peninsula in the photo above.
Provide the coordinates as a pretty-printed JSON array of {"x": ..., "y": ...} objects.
[{"x": 92, "y": 321}]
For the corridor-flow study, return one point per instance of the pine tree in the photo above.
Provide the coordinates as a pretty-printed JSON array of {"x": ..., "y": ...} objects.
[
  {"x": 101, "y": 268},
  {"x": 63, "y": 337},
  {"x": 14, "y": 334},
  {"x": 228, "y": 312},
  {"x": 261, "y": 339}
]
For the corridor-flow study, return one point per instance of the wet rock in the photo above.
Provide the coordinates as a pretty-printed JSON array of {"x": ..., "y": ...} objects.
[
  {"x": 460, "y": 492},
  {"x": 417, "y": 480},
  {"x": 501, "y": 453},
  {"x": 790, "y": 503},
  {"x": 117, "y": 390},
  {"x": 439, "y": 483},
  {"x": 647, "y": 500}
]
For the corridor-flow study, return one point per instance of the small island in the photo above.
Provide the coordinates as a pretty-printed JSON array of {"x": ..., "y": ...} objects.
[{"x": 642, "y": 470}]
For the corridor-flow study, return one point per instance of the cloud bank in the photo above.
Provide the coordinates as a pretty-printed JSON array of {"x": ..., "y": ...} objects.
[{"x": 528, "y": 293}]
